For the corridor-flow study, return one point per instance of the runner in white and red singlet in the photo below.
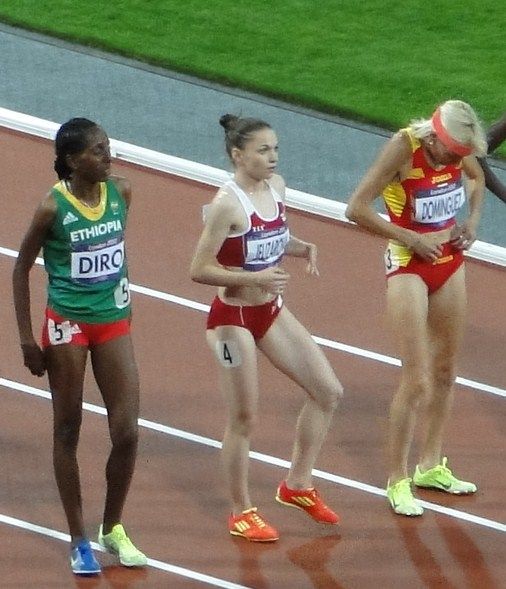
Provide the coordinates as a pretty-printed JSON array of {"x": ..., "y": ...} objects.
[{"x": 240, "y": 250}]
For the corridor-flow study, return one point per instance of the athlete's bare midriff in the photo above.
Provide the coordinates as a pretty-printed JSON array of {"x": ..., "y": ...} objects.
[{"x": 244, "y": 295}]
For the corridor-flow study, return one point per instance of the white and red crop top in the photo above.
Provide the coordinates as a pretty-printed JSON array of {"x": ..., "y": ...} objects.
[{"x": 263, "y": 243}]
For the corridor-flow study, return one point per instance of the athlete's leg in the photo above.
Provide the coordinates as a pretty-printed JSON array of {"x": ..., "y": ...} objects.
[
  {"x": 116, "y": 374},
  {"x": 66, "y": 365},
  {"x": 290, "y": 348},
  {"x": 447, "y": 308},
  {"x": 407, "y": 306},
  {"x": 234, "y": 347}
]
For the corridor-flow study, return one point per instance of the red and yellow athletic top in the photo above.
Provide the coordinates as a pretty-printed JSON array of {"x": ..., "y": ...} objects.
[
  {"x": 426, "y": 200},
  {"x": 263, "y": 243}
]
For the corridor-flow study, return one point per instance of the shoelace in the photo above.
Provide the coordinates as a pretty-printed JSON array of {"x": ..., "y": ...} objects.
[
  {"x": 257, "y": 520},
  {"x": 317, "y": 499},
  {"x": 404, "y": 483},
  {"x": 120, "y": 536},
  {"x": 443, "y": 471},
  {"x": 84, "y": 553}
]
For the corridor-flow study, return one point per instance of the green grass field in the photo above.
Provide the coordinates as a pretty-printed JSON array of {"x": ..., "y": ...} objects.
[{"x": 381, "y": 61}]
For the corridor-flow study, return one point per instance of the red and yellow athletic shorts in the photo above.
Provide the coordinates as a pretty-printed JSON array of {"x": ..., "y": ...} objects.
[
  {"x": 58, "y": 330},
  {"x": 434, "y": 274},
  {"x": 256, "y": 319}
]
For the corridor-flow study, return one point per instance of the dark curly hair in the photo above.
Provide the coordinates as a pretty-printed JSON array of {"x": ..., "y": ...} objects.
[{"x": 72, "y": 137}]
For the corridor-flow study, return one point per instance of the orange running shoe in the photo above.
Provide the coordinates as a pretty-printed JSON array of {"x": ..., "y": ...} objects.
[
  {"x": 252, "y": 526},
  {"x": 309, "y": 501}
]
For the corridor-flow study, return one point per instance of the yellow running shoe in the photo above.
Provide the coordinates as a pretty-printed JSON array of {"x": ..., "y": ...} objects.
[
  {"x": 401, "y": 498},
  {"x": 117, "y": 542},
  {"x": 441, "y": 477}
]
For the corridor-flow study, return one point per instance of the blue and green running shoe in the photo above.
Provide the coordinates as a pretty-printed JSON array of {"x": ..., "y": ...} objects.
[{"x": 82, "y": 559}]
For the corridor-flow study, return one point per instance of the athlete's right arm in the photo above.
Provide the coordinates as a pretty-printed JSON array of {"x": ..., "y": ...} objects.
[
  {"x": 222, "y": 218},
  {"x": 30, "y": 247},
  {"x": 388, "y": 165}
]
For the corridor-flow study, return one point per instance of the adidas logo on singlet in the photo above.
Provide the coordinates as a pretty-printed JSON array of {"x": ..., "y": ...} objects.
[{"x": 69, "y": 218}]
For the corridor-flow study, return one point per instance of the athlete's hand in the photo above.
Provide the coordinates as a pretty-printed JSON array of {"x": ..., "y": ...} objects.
[
  {"x": 33, "y": 358},
  {"x": 424, "y": 247},
  {"x": 311, "y": 255},
  {"x": 272, "y": 280},
  {"x": 463, "y": 236}
]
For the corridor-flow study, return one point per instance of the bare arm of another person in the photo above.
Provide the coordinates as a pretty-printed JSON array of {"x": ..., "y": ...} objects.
[{"x": 495, "y": 136}]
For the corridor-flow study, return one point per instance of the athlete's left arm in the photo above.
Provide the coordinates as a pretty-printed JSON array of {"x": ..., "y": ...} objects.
[
  {"x": 495, "y": 136},
  {"x": 296, "y": 247},
  {"x": 464, "y": 235},
  {"x": 124, "y": 188}
]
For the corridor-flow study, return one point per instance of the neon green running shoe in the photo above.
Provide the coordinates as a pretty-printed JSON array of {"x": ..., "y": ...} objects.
[
  {"x": 401, "y": 498},
  {"x": 441, "y": 477},
  {"x": 117, "y": 542}
]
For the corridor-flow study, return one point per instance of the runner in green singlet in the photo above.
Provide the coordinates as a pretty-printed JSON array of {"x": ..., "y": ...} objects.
[{"x": 80, "y": 227}]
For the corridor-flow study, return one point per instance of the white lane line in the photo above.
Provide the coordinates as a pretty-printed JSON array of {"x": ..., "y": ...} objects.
[
  {"x": 156, "y": 564},
  {"x": 265, "y": 458},
  {"x": 327, "y": 343}
]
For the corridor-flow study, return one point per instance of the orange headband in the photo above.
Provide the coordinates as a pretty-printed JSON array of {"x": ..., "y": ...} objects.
[{"x": 446, "y": 140}]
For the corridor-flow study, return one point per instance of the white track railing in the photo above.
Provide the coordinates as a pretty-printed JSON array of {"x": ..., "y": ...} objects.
[{"x": 214, "y": 176}]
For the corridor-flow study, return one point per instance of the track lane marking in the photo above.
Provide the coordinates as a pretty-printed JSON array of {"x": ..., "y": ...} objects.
[
  {"x": 325, "y": 342},
  {"x": 156, "y": 564},
  {"x": 265, "y": 458}
]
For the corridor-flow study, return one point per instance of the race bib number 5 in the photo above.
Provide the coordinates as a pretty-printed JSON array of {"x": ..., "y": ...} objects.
[
  {"x": 122, "y": 294},
  {"x": 59, "y": 333}
]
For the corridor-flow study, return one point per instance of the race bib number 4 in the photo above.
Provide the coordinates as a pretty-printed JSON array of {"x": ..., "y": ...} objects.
[{"x": 228, "y": 353}]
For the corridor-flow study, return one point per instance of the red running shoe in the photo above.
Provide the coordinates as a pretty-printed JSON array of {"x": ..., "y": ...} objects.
[
  {"x": 309, "y": 501},
  {"x": 250, "y": 525}
]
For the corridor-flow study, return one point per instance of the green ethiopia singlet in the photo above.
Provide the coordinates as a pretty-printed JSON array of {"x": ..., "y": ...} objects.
[{"x": 84, "y": 257}]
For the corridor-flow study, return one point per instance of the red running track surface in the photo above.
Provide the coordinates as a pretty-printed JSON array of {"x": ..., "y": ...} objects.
[{"x": 177, "y": 507}]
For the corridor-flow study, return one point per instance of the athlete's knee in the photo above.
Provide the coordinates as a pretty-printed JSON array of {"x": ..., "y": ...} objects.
[
  {"x": 66, "y": 431},
  {"x": 334, "y": 394},
  {"x": 444, "y": 377},
  {"x": 328, "y": 395},
  {"x": 415, "y": 390},
  {"x": 242, "y": 422},
  {"x": 124, "y": 434}
]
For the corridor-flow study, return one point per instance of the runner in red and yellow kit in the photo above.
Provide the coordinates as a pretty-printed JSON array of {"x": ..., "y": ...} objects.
[
  {"x": 427, "y": 202},
  {"x": 80, "y": 228},
  {"x": 419, "y": 173}
]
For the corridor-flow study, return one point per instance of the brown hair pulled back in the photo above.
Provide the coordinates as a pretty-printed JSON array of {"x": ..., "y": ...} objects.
[{"x": 238, "y": 130}]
